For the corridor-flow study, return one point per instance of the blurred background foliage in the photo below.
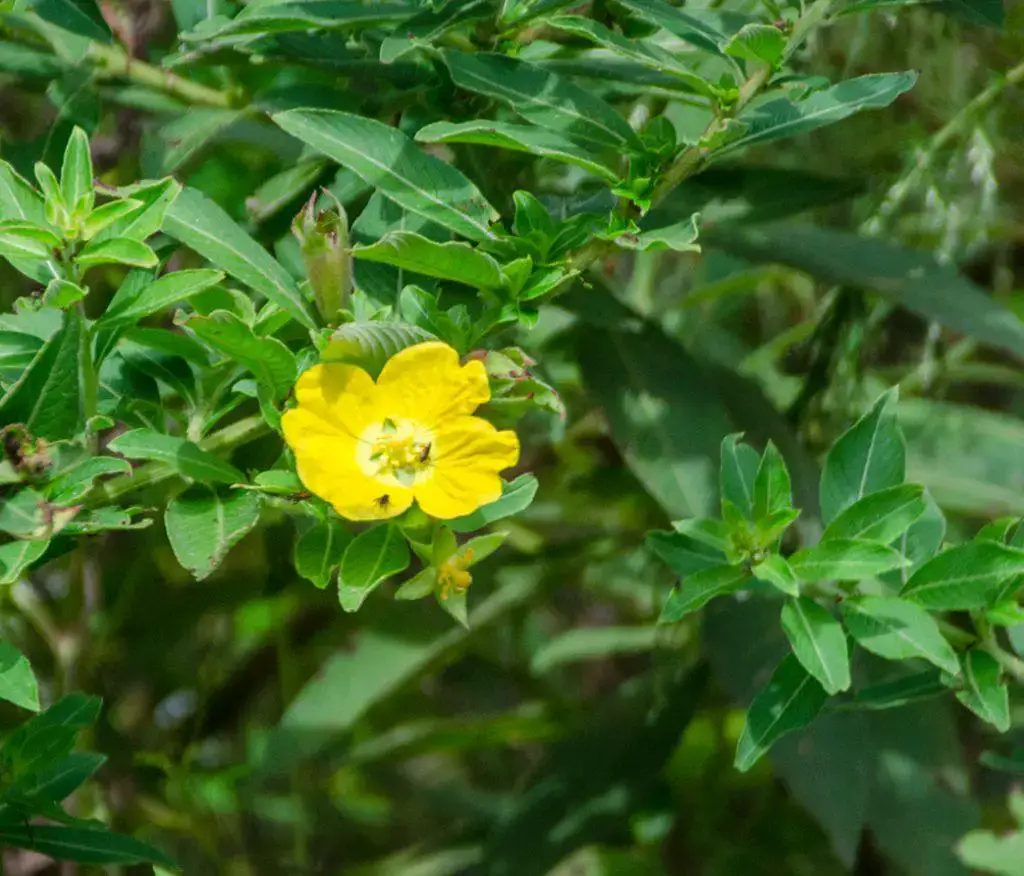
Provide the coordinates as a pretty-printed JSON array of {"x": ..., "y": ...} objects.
[{"x": 253, "y": 728}]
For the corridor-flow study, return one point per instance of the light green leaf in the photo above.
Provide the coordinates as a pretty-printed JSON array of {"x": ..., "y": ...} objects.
[
  {"x": 457, "y": 262},
  {"x": 76, "y": 174},
  {"x": 204, "y": 524},
  {"x": 318, "y": 551},
  {"x": 652, "y": 393},
  {"x": 17, "y": 681},
  {"x": 74, "y": 483},
  {"x": 17, "y": 556},
  {"x": 116, "y": 251},
  {"x": 989, "y": 852},
  {"x": 594, "y": 643},
  {"x": 780, "y": 118},
  {"x": 882, "y": 516},
  {"x": 538, "y": 141},
  {"x": 644, "y": 53},
  {"x": 45, "y": 399},
  {"x": 203, "y": 226},
  {"x": 86, "y": 845},
  {"x": 679, "y": 237},
  {"x": 902, "y": 691},
  {"x": 270, "y": 360},
  {"x": 758, "y": 42},
  {"x": 964, "y": 577},
  {"x": 910, "y": 278},
  {"x": 773, "y": 489},
  {"x": 18, "y": 200},
  {"x": 898, "y": 630},
  {"x": 104, "y": 216},
  {"x": 165, "y": 292},
  {"x": 388, "y": 160},
  {"x": 516, "y": 496},
  {"x": 544, "y": 98},
  {"x": 818, "y": 642},
  {"x": 740, "y": 464},
  {"x": 844, "y": 560},
  {"x": 776, "y": 570},
  {"x": 369, "y": 559},
  {"x": 790, "y": 702},
  {"x": 188, "y": 459},
  {"x": 870, "y": 456},
  {"x": 708, "y": 530},
  {"x": 697, "y": 590},
  {"x": 984, "y": 691},
  {"x": 156, "y": 199},
  {"x": 370, "y": 344}
]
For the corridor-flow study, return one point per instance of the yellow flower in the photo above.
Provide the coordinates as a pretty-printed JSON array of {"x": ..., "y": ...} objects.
[{"x": 372, "y": 447}]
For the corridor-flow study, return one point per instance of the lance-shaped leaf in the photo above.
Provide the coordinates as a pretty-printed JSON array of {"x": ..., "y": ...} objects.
[
  {"x": 883, "y": 516},
  {"x": 144, "y": 300},
  {"x": 700, "y": 588},
  {"x": 686, "y": 26},
  {"x": 964, "y": 577},
  {"x": 897, "y": 629},
  {"x": 818, "y": 642},
  {"x": 844, "y": 560},
  {"x": 458, "y": 262},
  {"x": 984, "y": 692}
]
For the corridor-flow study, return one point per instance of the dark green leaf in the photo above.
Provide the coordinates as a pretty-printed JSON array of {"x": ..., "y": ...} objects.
[
  {"x": 17, "y": 681},
  {"x": 698, "y": 589},
  {"x": 740, "y": 464},
  {"x": 984, "y": 691},
  {"x": 901, "y": 691},
  {"x": 791, "y": 701},
  {"x": 682, "y": 23},
  {"x": 81, "y": 17},
  {"x": 594, "y": 643},
  {"x": 318, "y": 551},
  {"x": 777, "y": 571},
  {"x": 773, "y": 490},
  {"x": 86, "y": 845},
  {"x": 898, "y": 630}
]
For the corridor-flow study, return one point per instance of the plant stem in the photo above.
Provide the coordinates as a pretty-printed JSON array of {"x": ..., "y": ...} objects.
[
  {"x": 114, "y": 62},
  {"x": 1011, "y": 663}
]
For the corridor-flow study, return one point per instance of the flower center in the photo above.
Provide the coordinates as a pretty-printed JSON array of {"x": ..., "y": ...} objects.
[
  {"x": 400, "y": 451},
  {"x": 453, "y": 575}
]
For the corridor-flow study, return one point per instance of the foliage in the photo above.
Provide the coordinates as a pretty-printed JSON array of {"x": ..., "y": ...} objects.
[{"x": 741, "y": 277}]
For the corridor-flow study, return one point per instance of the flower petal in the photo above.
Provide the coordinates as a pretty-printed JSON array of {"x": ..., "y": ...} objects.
[
  {"x": 327, "y": 465},
  {"x": 342, "y": 396},
  {"x": 468, "y": 455},
  {"x": 427, "y": 384}
]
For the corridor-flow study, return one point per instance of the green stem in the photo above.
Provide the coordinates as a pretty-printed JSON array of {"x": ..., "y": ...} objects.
[
  {"x": 1011, "y": 663},
  {"x": 114, "y": 62}
]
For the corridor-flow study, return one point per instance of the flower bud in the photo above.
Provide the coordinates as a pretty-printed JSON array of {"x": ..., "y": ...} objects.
[{"x": 324, "y": 243}]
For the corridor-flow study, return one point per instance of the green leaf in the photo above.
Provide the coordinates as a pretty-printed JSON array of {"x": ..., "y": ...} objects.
[
  {"x": 18, "y": 200},
  {"x": 984, "y": 691},
  {"x": 708, "y": 530},
  {"x": 882, "y": 516},
  {"x": 17, "y": 351},
  {"x": 81, "y": 17},
  {"x": 964, "y": 577},
  {"x": 780, "y": 118},
  {"x": 203, "y": 226},
  {"x": 679, "y": 237},
  {"x": 106, "y": 215},
  {"x": 369, "y": 559},
  {"x": 370, "y": 344},
  {"x": 698, "y": 589},
  {"x": 740, "y": 464},
  {"x": 17, "y": 681},
  {"x": 544, "y": 98},
  {"x": 898, "y": 630},
  {"x": 902, "y": 691},
  {"x": 644, "y": 53},
  {"x": 791, "y": 701},
  {"x": 303, "y": 15},
  {"x": 652, "y": 393},
  {"x": 165, "y": 292},
  {"x": 594, "y": 643},
  {"x": 457, "y": 262},
  {"x": 17, "y": 556},
  {"x": 910, "y": 278},
  {"x": 76, "y": 174},
  {"x": 204, "y": 524},
  {"x": 388, "y": 160},
  {"x": 776, "y": 570},
  {"x": 519, "y": 138},
  {"x": 318, "y": 551},
  {"x": 844, "y": 560},
  {"x": 868, "y": 457},
  {"x": 53, "y": 784},
  {"x": 989, "y": 852},
  {"x": 684, "y": 554},
  {"x": 116, "y": 251},
  {"x": 156, "y": 199},
  {"x": 86, "y": 845},
  {"x": 188, "y": 459},
  {"x": 45, "y": 399},
  {"x": 270, "y": 360},
  {"x": 818, "y": 642},
  {"x": 516, "y": 496},
  {"x": 683, "y": 24},
  {"x": 773, "y": 490},
  {"x": 283, "y": 188},
  {"x": 986, "y": 13},
  {"x": 758, "y": 42}
]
